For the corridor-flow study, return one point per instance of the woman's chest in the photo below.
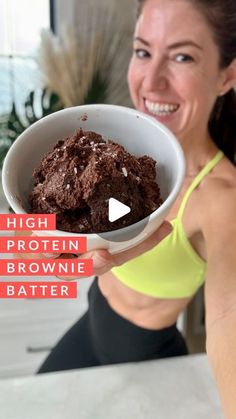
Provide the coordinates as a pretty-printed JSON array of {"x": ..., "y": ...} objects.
[{"x": 190, "y": 213}]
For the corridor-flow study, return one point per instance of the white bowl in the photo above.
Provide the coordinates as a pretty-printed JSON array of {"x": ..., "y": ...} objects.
[{"x": 137, "y": 132}]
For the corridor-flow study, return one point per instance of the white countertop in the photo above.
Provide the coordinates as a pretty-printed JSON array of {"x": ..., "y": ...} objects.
[{"x": 175, "y": 388}]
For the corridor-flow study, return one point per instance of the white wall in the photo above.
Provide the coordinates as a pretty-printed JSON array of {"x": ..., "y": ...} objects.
[{"x": 65, "y": 10}]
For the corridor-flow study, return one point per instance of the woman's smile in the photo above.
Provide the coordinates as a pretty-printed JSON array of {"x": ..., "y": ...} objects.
[
  {"x": 174, "y": 73},
  {"x": 161, "y": 110}
]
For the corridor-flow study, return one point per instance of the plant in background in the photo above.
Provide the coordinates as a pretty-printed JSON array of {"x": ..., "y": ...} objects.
[
  {"x": 13, "y": 124},
  {"x": 88, "y": 62},
  {"x": 84, "y": 64}
]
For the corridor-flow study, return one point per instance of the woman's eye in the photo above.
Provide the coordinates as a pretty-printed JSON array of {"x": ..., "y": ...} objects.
[
  {"x": 141, "y": 53},
  {"x": 183, "y": 58}
]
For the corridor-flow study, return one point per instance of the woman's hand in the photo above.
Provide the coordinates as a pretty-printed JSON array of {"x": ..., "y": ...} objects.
[{"x": 103, "y": 261}]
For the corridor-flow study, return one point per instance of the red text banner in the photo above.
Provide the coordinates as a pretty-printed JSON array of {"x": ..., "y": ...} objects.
[
  {"x": 46, "y": 267},
  {"x": 21, "y": 222},
  {"x": 43, "y": 244},
  {"x": 38, "y": 289}
]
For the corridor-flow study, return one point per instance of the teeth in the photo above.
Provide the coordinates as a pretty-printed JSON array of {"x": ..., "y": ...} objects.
[{"x": 161, "y": 109}]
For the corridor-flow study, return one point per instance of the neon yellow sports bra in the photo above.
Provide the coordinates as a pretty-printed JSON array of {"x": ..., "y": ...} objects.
[{"x": 172, "y": 269}]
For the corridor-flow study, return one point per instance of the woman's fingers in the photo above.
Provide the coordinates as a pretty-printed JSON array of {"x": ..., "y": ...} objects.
[{"x": 103, "y": 261}]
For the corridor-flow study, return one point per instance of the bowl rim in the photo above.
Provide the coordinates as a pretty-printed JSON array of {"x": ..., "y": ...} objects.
[{"x": 101, "y": 107}]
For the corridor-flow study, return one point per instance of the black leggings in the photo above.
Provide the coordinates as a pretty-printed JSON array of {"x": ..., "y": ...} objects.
[{"x": 103, "y": 337}]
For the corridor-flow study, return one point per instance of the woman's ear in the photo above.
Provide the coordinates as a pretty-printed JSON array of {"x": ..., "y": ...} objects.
[{"x": 228, "y": 80}]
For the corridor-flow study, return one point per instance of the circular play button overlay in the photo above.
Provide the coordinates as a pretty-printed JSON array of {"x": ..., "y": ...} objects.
[{"x": 117, "y": 210}]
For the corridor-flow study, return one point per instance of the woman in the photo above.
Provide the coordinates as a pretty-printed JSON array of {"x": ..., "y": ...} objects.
[{"x": 182, "y": 72}]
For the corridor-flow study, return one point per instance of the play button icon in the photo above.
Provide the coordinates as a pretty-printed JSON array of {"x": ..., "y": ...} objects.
[{"x": 116, "y": 209}]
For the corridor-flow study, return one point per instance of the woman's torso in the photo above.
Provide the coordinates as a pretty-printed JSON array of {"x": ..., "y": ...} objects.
[{"x": 157, "y": 313}]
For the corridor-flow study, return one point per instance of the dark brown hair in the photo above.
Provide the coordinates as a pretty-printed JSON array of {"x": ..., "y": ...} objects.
[{"x": 221, "y": 16}]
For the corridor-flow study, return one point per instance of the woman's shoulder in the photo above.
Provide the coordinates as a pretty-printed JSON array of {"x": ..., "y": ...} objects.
[
  {"x": 219, "y": 195},
  {"x": 222, "y": 179}
]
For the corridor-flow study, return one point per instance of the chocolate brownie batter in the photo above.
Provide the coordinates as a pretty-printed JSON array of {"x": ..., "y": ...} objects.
[{"x": 76, "y": 179}]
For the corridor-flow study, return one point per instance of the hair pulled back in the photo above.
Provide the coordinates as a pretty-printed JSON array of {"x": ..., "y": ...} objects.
[{"x": 221, "y": 16}]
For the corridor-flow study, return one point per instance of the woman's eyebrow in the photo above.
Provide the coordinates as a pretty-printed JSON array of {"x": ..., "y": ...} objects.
[
  {"x": 179, "y": 44},
  {"x": 137, "y": 38},
  {"x": 185, "y": 43}
]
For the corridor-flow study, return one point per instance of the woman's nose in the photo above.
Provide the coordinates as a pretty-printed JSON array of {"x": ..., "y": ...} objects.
[{"x": 156, "y": 78}]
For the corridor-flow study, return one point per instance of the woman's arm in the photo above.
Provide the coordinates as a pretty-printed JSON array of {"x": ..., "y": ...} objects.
[
  {"x": 103, "y": 261},
  {"x": 220, "y": 297}
]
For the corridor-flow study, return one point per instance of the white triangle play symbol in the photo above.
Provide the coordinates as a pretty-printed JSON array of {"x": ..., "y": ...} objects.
[{"x": 116, "y": 209}]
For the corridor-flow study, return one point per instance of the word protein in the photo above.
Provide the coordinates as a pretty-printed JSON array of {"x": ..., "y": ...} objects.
[{"x": 43, "y": 244}]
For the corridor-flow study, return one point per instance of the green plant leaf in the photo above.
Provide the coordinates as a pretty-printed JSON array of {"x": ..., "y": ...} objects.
[
  {"x": 13, "y": 124},
  {"x": 29, "y": 108}
]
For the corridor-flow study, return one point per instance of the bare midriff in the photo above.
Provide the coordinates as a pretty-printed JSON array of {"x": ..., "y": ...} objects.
[{"x": 142, "y": 310}]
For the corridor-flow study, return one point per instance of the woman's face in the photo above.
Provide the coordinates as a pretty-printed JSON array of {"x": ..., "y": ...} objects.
[{"x": 174, "y": 72}]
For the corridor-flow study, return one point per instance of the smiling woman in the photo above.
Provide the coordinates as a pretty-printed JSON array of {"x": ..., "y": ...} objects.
[
  {"x": 194, "y": 52},
  {"x": 182, "y": 73}
]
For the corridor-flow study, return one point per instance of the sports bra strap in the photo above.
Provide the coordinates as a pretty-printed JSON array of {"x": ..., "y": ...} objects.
[{"x": 206, "y": 169}]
